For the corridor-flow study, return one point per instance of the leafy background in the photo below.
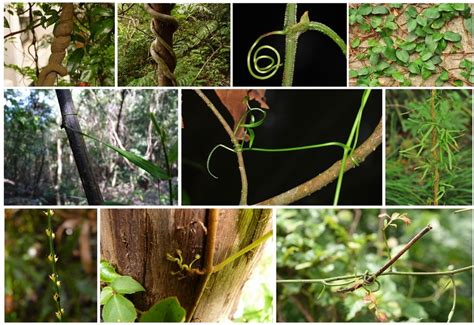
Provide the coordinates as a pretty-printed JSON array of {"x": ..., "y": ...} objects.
[
  {"x": 28, "y": 289},
  {"x": 118, "y": 117},
  {"x": 411, "y": 44},
  {"x": 410, "y": 163},
  {"x": 201, "y": 45},
  {"x": 314, "y": 244}
]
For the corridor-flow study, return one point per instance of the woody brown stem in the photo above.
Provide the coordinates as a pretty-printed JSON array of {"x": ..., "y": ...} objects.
[{"x": 330, "y": 174}]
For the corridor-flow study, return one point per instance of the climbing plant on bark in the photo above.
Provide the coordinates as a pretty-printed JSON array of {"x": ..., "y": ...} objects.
[
  {"x": 62, "y": 38},
  {"x": 163, "y": 26},
  {"x": 200, "y": 257}
]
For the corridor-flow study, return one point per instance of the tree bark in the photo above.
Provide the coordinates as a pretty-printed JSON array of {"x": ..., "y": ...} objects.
[
  {"x": 78, "y": 147},
  {"x": 136, "y": 243}
]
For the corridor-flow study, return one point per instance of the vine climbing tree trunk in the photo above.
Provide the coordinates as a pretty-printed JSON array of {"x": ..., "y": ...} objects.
[
  {"x": 78, "y": 147},
  {"x": 137, "y": 242},
  {"x": 163, "y": 26},
  {"x": 62, "y": 38}
]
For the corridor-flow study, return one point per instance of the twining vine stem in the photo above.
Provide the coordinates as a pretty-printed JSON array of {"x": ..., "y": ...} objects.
[
  {"x": 235, "y": 143},
  {"x": 327, "y": 281}
]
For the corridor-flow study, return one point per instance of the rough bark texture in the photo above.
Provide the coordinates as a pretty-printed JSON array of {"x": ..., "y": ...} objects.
[
  {"x": 78, "y": 147},
  {"x": 136, "y": 243}
]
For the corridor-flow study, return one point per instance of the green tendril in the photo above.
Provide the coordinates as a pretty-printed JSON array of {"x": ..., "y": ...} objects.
[
  {"x": 254, "y": 123},
  {"x": 253, "y": 61}
]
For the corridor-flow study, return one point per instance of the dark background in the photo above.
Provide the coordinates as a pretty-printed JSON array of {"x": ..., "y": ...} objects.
[
  {"x": 295, "y": 118},
  {"x": 319, "y": 61}
]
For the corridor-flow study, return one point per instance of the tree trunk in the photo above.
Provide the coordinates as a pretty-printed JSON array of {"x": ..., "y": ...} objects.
[
  {"x": 78, "y": 147},
  {"x": 136, "y": 243}
]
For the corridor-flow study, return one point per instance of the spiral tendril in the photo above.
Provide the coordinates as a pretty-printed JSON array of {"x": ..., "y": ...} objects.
[{"x": 274, "y": 62}]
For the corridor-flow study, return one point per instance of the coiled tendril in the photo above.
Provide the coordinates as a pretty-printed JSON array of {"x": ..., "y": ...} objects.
[
  {"x": 269, "y": 70},
  {"x": 249, "y": 130}
]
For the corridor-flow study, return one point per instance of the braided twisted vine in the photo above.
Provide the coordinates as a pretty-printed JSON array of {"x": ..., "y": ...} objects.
[
  {"x": 62, "y": 38},
  {"x": 162, "y": 52}
]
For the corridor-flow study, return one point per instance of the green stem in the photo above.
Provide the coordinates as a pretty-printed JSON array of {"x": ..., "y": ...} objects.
[
  {"x": 52, "y": 258},
  {"x": 356, "y": 276},
  {"x": 244, "y": 250},
  {"x": 326, "y": 30},
  {"x": 290, "y": 45},
  {"x": 351, "y": 143},
  {"x": 453, "y": 308}
]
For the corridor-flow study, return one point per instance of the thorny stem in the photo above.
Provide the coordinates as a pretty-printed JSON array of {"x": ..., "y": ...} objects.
[
  {"x": 52, "y": 258},
  {"x": 235, "y": 143},
  {"x": 434, "y": 140}
]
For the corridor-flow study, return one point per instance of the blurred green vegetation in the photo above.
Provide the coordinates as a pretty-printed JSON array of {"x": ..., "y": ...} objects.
[
  {"x": 256, "y": 301},
  {"x": 28, "y": 289},
  {"x": 316, "y": 244}
]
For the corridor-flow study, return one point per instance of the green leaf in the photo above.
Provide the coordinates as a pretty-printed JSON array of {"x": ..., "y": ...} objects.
[
  {"x": 389, "y": 53},
  {"x": 411, "y": 11},
  {"x": 426, "y": 55},
  {"x": 74, "y": 59},
  {"x": 469, "y": 24},
  {"x": 431, "y": 13},
  {"x": 375, "y": 21},
  {"x": 363, "y": 71},
  {"x": 353, "y": 73},
  {"x": 425, "y": 73},
  {"x": 458, "y": 6},
  {"x": 379, "y": 10},
  {"x": 444, "y": 76},
  {"x": 414, "y": 68},
  {"x": 398, "y": 76},
  {"x": 391, "y": 25},
  {"x": 173, "y": 153},
  {"x": 355, "y": 42},
  {"x": 374, "y": 59},
  {"x": 119, "y": 310},
  {"x": 107, "y": 272},
  {"x": 445, "y": 7},
  {"x": 382, "y": 66},
  {"x": 105, "y": 294},
  {"x": 365, "y": 9},
  {"x": 452, "y": 36},
  {"x": 126, "y": 285},
  {"x": 140, "y": 162},
  {"x": 421, "y": 20},
  {"x": 403, "y": 55},
  {"x": 167, "y": 310},
  {"x": 411, "y": 25},
  {"x": 438, "y": 23}
]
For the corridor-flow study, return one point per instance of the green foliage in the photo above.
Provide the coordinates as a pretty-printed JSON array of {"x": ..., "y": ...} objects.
[
  {"x": 201, "y": 44},
  {"x": 403, "y": 43},
  {"x": 410, "y": 166},
  {"x": 29, "y": 292},
  {"x": 318, "y": 244},
  {"x": 117, "y": 308},
  {"x": 120, "y": 119}
]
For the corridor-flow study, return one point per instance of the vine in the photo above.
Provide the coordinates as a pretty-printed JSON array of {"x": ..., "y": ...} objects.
[
  {"x": 163, "y": 25},
  {"x": 349, "y": 148},
  {"x": 62, "y": 38},
  {"x": 292, "y": 30},
  {"x": 53, "y": 259},
  {"x": 368, "y": 281}
]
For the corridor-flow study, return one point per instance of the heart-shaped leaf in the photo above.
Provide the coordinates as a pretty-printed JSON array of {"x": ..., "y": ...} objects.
[
  {"x": 126, "y": 285},
  {"x": 119, "y": 309},
  {"x": 167, "y": 310}
]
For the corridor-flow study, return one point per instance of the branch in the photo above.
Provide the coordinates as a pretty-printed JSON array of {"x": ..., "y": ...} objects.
[
  {"x": 235, "y": 142},
  {"x": 22, "y": 30},
  {"x": 330, "y": 174}
]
